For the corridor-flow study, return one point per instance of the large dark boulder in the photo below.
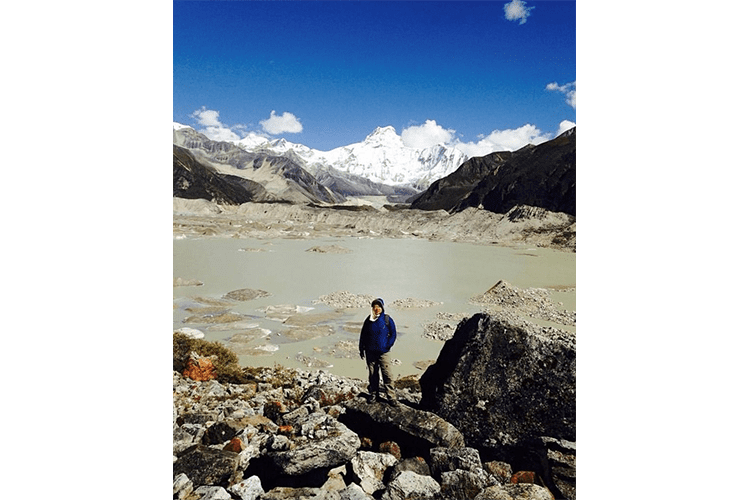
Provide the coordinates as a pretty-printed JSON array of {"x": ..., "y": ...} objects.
[
  {"x": 510, "y": 389},
  {"x": 503, "y": 383},
  {"x": 206, "y": 466},
  {"x": 305, "y": 461},
  {"x": 416, "y": 431},
  {"x": 337, "y": 447}
]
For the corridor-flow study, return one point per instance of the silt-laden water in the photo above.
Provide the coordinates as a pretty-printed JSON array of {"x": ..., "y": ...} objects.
[{"x": 448, "y": 273}]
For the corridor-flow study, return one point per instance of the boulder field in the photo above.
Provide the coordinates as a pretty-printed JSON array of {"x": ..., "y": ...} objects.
[{"x": 492, "y": 418}]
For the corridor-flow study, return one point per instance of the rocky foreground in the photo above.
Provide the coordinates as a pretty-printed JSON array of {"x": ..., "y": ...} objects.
[{"x": 493, "y": 418}]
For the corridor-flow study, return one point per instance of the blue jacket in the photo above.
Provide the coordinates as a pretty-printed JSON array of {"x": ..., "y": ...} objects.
[{"x": 377, "y": 336}]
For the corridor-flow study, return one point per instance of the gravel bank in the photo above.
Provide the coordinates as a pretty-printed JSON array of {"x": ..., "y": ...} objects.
[{"x": 522, "y": 225}]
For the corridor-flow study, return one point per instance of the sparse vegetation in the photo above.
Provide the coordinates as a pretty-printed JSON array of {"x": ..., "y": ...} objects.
[{"x": 226, "y": 362}]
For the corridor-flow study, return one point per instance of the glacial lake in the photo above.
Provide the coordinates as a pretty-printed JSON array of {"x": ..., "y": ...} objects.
[{"x": 448, "y": 273}]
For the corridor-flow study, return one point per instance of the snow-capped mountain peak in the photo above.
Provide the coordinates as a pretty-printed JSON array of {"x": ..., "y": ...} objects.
[
  {"x": 252, "y": 141},
  {"x": 382, "y": 157},
  {"x": 384, "y": 136}
]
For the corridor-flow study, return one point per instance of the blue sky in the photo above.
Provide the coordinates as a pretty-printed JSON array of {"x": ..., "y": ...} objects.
[{"x": 478, "y": 74}]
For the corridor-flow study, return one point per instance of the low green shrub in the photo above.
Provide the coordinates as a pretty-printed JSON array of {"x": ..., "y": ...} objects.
[{"x": 226, "y": 362}]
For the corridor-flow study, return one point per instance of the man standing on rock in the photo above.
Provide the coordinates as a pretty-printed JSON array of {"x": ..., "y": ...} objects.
[{"x": 375, "y": 341}]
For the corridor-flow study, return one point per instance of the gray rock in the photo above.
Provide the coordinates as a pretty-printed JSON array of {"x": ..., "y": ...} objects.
[
  {"x": 460, "y": 471},
  {"x": 219, "y": 432},
  {"x": 354, "y": 492},
  {"x": 464, "y": 483},
  {"x": 235, "y": 410},
  {"x": 413, "y": 464},
  {"x": 198, "y": 418},
  {"x": 336, "y": 449},
  {"x": 335, "y": 482},
  {"x": 206, "y": 466},
  {"x": 186, "y": 436},
  {"x": 561, "y": 456},
  {"x": 248, "y": 489},
  {"x": 494, "y": 493},
  {"x": 407, "y": 426},
  {"x": 501, "y": 470},
  {"x": 263, "y": 424},
  {"x": 451, "y": 459},
  {"x": 253, "y": 450},
  {"x": 287, "y": 493},
  {"x": 212, "y": 493},
  {"x": 515, "y": 492},
  {"x": 497, "y": 492},
  {"x": 501, "y": 384},
  {"x": 315, "y": 425},
  {"x": 295, "y": 418},
  {"x": 182, "y": 486},
  {"x": 279, "y": 443},
  {"x": 409, "y": 484},
  {"x": 369, "y": 469}
]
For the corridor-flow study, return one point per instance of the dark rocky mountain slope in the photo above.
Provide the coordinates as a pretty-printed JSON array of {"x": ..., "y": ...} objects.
[
  {"x": 354, "y": 185},
  {"x": 281, "y": 176},
  {"x": 193, "y": 179},
  {"x": 541, "y": 176}
]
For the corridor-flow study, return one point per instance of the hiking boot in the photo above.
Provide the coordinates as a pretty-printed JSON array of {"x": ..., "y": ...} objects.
[{"x": 371, "y": 398}]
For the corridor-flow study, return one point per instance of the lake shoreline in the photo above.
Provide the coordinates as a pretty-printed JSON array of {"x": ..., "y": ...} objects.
[
  {"x": 521, "y": 226},
  {"x": 328, "y": 255}
]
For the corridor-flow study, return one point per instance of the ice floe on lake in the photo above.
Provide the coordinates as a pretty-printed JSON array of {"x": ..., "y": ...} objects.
[{"x": 191, "y": 332}]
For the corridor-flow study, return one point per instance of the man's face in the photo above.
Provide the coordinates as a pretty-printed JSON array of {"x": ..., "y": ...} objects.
[{"x": 376, "y": 309}]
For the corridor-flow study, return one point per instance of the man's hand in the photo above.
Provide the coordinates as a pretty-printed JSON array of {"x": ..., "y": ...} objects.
[{"x": 362, "y": 354}]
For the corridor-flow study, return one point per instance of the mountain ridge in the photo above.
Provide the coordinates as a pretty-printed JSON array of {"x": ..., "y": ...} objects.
[
  {"x": 195, "y": 180},
  {"x": 382, "y": 158},
  {"x": 540, "y": 175},
  {"x": 281, "y": 177}
]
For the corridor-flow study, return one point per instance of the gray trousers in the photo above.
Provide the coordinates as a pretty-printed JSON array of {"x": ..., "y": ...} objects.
[{"x": 377, "y": 362}]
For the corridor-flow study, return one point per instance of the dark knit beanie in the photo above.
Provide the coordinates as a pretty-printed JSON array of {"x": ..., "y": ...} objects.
[{"x": 378, "y": 301}]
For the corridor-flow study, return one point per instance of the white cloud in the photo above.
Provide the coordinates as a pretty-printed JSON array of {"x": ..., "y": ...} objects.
[
  {"x": 287, "y": 122},
  {"x": 517, "y": 11},
  {"x": 215, "y": 130},
  {"x": 207, "y": 117},
  {"x": 220, "y": 134},
  {"x": 571, "y": 99},
  {"x": 569, "y": 89},
  {"x": 430, "y": 133},
  {"x": 565, "y": 125},
  {"x": 212, "y": 126},
  {"x": 426, "y": 135},
  {"x": 504, "y": 140}
]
